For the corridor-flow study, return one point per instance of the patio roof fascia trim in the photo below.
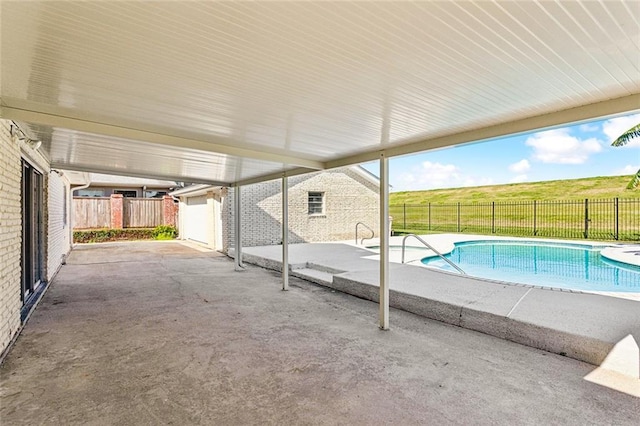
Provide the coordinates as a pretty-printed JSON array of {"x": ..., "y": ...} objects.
[
  {"x": 612, "y": 107},
  {"x": 127, "y": 173},
  {"x": 87, "y": 126},
  {"x": 302, "y": 171},
  {"x": 194, "y": 190},
  {"x": 274, "y": 176}
]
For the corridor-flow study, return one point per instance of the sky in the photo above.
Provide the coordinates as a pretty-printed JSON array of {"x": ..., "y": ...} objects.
[{"x": 563, "y": 153}]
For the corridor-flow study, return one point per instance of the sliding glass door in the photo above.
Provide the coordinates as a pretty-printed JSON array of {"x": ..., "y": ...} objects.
[{"x": 32, "y": 230}]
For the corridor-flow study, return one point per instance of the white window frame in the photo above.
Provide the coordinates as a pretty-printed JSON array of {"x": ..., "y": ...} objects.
[{"x": 314, "y": 203}]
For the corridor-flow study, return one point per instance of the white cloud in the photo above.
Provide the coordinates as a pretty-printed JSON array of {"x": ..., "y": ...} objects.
[
  {"x": 559, "y": 147},
  {"x": 432, "y": 175},
  {"x": 589, "y": 127},
  {"x": 520, "y": 167},
  {"x": 627, "y": 170},
  {"x": 616, "y": 126},
  {"x": 438, "y": 174},
  {"x": 440, "y": 170},
  {"x": 519, "y": 179}
]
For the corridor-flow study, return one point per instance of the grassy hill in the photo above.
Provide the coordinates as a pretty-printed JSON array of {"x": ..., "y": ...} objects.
[{"x": 596, "y": 187}]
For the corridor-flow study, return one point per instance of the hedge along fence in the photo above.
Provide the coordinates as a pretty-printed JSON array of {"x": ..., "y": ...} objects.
[
  {"x": 160, "y": 232},
  {"x": 105, "y": 235},
  {"x": 602, "y": 219}
]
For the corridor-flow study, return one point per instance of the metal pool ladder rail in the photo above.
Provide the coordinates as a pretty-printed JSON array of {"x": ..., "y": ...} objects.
[
  {"x": 430, "y": 247},
  {"x": 372, "y": 233}
]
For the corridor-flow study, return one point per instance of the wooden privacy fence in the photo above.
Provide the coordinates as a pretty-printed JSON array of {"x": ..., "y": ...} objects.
[
  {"x": 142, "y": 212},
  {"x": 119, "y": 212},
  {"x": 91, "y": 212}
]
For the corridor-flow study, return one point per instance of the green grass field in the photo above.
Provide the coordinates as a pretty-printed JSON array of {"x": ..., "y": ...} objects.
[
  {"x": 555, "y": 209},
  {"x": 596, "y": 187}
]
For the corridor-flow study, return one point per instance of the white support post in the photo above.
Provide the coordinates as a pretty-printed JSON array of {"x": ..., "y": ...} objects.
[
  {"x": 237, "y": 228},
  {"x": 285, "y": 234},
  {"x": 384, "y": 242}
]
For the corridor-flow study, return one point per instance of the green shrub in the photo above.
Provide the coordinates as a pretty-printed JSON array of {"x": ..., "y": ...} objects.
[
  {"x": 162, "y": 232},
  {"x": 106, "y": 235},
  {"x": 165, "y": 232}
]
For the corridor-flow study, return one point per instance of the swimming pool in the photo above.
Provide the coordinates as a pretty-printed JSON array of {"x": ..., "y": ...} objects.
[{"x": 569, "y": 266}]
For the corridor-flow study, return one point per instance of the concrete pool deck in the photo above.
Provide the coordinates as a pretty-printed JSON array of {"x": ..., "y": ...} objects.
[
  {"x": 158, "y": 333},
  {"x": 583, "y": 326},
  {"x": 629, "y": 254}
]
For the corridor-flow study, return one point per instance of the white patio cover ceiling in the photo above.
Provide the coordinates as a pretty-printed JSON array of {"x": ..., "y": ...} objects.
[{"x": 237, "y": 92}]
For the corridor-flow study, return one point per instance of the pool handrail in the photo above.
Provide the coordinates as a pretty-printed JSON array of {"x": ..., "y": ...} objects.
[
  {"x": 363, "y": 224},
  {"x": 430, "y": 247}
]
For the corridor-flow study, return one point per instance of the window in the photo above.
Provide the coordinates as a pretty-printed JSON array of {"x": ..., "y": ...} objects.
[
  {"x": 316, "y": 203},
  {"x": 154, "y": 194},
  {"x": 126, "y": 194},
  {"x": 91, "y": 193}
]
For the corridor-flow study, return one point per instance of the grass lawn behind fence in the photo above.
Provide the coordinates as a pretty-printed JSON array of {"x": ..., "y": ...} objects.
[
  {"x": 575, "y": 189},
  {"x": 594, "y": 208}
]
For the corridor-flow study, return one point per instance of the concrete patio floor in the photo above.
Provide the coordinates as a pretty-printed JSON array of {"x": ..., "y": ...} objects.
[
  {"x": 584, "y": 326},
  {"x": 161, "y": 333}
]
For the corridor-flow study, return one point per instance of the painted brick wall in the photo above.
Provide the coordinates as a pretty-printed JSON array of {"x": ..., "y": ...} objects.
[
  {"x": 10, "y": 235},
  {"x": 58, "y": 223},
  {"x": 349, "y": 198}
]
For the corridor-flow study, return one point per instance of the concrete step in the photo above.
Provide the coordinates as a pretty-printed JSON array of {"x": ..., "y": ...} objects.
[
  {"x": 313, "y": 275},
  {"x": 324, "y": 268}
]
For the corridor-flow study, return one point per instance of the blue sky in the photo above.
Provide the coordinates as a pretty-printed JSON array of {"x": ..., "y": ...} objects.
[{"x": 564, "y": 153}]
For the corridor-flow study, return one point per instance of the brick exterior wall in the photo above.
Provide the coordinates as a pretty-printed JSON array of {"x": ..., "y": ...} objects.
[
  {"x": 10, "y": 236},
  {"x": 59, "y": 237},
  {"x": 169, "y": 211},
  {"x": 349, "y": 198},
  {"x": 56, "y": 236},
  {"x": 117, "y": 211}
]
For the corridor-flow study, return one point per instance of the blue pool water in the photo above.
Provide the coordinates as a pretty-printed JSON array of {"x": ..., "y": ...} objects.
[{"x": 570, "y": 266}]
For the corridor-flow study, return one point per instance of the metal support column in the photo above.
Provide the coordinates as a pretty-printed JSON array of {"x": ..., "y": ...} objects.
[
  {"x": 237, "y": 228},
  {"x": 384, "y": 242},
  {"x": 285, "y": 234}
]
